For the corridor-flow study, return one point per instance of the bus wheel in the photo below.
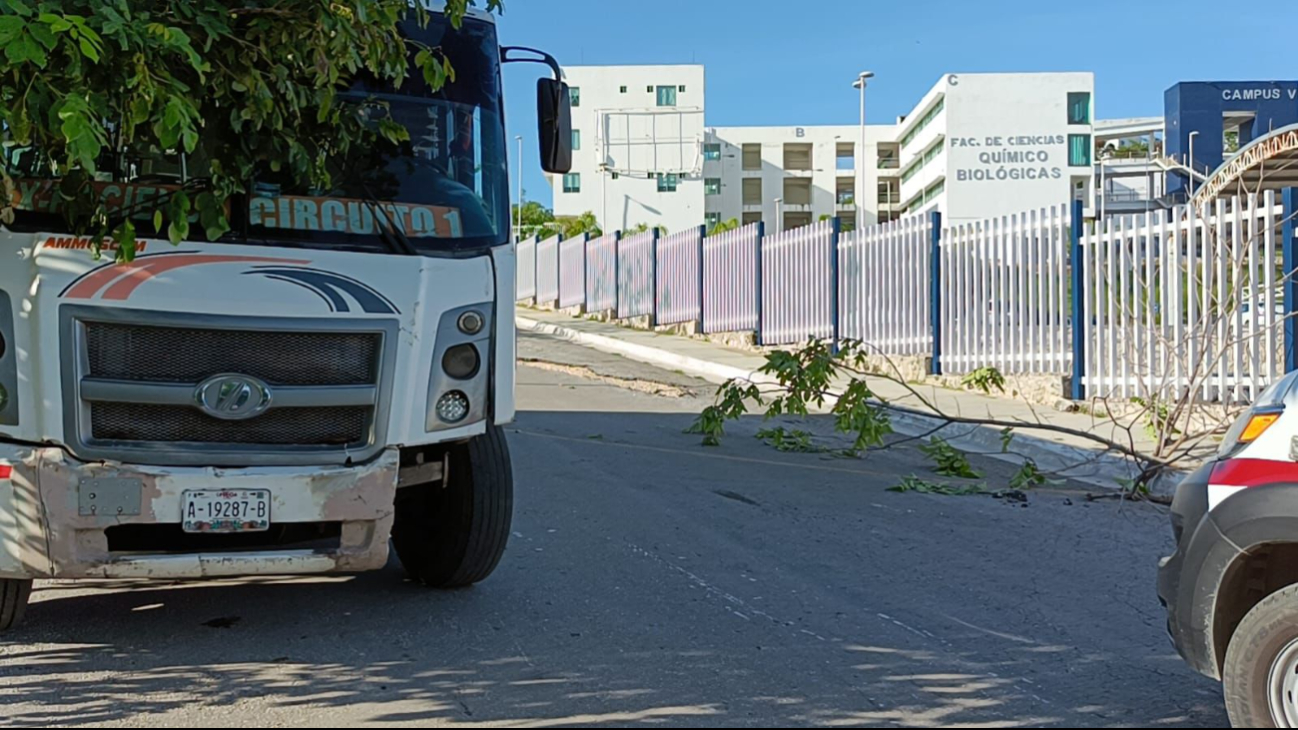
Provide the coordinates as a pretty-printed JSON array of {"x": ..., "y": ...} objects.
[
  {"x": 451, "y": 534},
  {"x": 14, "y": 595}
]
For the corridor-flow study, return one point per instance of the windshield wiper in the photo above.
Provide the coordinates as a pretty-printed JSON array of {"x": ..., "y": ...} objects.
[{"x": 393, "y": 237}]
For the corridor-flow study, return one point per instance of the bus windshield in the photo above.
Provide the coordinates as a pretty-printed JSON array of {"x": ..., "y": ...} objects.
[{"x": 445, "y": 189}]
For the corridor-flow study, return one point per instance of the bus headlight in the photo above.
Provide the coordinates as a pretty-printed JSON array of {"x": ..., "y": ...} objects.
[
  {"x": 453, "y": 407},
  {"x": 459, "y": 385}
]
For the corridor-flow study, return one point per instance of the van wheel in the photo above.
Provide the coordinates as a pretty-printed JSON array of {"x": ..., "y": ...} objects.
[
  {"x": 14, "y": 595},
  {"x": 1261, "y": 672},
  {"x": 452, "y": 534}
]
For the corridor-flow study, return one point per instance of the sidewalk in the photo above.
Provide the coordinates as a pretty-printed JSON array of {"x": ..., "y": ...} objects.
[{"x": 1072, "y": 456}]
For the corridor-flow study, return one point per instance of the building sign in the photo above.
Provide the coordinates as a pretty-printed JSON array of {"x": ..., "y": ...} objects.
[
  {"x": 1274, "y": 93},
  {"x": 1010, "y": 157}
]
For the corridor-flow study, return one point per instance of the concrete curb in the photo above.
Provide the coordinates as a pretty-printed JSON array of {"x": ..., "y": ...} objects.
[{"x": 1090, "y": 466}]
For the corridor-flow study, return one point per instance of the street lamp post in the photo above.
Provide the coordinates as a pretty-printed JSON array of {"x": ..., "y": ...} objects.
[{"x": 860, "y": 83}]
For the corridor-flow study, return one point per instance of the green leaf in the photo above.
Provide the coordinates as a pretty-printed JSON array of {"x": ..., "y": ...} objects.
[
  {"x": 11, "y": 26},
  {"x": 178, "y": 231},
  {"x": 125, "y": 238},
  {"x": 57, "y": 23},
  {"x": 157, "y": 220},
  {"x": 44, "y": 34},
  {"x": 88, "y": 49},
  {"x": 24, "y": 48}
]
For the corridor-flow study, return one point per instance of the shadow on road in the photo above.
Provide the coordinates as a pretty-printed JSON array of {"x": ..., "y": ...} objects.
[{"x": 653, "y": 582}]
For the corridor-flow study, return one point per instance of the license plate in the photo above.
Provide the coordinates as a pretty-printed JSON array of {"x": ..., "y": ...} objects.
[{"x": 226, "y": 510}]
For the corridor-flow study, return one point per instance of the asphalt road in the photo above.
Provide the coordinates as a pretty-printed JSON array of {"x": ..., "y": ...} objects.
[{"x": 651, "y": 581}]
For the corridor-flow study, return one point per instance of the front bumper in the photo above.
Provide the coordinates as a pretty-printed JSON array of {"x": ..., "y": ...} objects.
[
  {"x": 55, "y": 513},
  {"x": 1189, "y": 606}
]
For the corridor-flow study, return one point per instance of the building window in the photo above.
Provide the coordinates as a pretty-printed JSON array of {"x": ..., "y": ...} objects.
[
  {"x": 576, "y": 139},
  {"x": 666, "y": 96},
  {"x": 575, "y": 94},
  {"x": 681, "y": 88},
  {"x": 649, "y": 89},
  {"x": 667, "y": 182},
  {"x": 923, "y": 122},
  {"x": 616, "y": 176},
  {"x": 1079, "y": 150},
  {"x": 711, "y": 220},
  {"x": 1079, "y": 108},
  {"x": 712, "y": 186},
  {"x": 572, "y": 182},
  {"x": 711, "y": 152},
  {"x": 621, "y": 90}
]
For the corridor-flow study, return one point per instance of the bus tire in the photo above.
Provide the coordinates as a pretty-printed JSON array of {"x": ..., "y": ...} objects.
[
  {"x": 14, "y": 595},
  {"x": 452, "y": 534}
]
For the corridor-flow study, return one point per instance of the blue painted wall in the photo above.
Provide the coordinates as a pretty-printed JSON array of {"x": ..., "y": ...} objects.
[{"x": 1200, "y": 106}]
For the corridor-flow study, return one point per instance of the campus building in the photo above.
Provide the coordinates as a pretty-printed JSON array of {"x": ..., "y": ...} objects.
[{"x": 975, "y": 145}]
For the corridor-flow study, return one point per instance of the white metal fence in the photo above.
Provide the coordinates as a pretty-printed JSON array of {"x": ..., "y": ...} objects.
[
  {"x": 1005, "y": 294},
  {"x": 730, "y": 280},
  {"x": 547, "y": 271},
  {"x": 1171, "y": 299},
  {"x": 797, "y": 281},
  {"x": 572, "y": 272},
  {"x": 680, "y": 276},
  {"x": 884, "y": 292},
  {"x": 526, "y": 268},
  {"x": 1186, "y": 302},
  {"x": 601, "y": 273},
  {"x": 635, "y": 274}
]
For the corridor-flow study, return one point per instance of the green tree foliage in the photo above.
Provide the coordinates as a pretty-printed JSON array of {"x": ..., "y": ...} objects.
[
  {"x": 243, "y": 84},
  {"x": 537, "y": 220},
  {"x": 573, "y": 226},
  {"x": 723, "y": 226}
]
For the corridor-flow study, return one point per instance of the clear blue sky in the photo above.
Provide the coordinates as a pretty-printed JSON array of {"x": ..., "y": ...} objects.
[{"x": 792, "y": 63}]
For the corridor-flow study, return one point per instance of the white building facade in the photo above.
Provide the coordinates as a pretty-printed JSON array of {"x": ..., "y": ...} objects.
[
  {"x": 638, "y": 145},
  {"x": 975, "y": 146},
  {"x": 792, "y": 176},
  {"x": 984, "y": 145}
]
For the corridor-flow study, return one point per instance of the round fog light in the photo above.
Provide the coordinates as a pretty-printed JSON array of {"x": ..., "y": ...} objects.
[
  {"x": 453, "y": 407},
  {"x": 461, "y": 362},
  {"x": 471, "y": 323}
]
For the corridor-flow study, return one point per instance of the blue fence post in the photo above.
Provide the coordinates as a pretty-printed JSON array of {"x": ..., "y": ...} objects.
[
  {"x": 935, "y": 290},
  {"x": 1078, "y": 262},
  {"x": 761, "y": 235},
  {"x": 1289, "y": 248},
  {"x": 617, "y": 279},
  {"x": 703, "y": 238},
  {"x": 653, "y": 279},
  {"x": 837, "y": 227},
  {"x": 585, "y": 273}
]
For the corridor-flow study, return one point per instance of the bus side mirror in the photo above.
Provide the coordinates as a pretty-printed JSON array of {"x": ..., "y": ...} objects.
[{"x": 554, "y": 115}]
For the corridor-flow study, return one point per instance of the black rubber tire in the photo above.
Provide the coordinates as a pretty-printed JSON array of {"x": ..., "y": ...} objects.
[
  {"x": 14, "y": 595},
  {"x": 1264, "y": 633},
  {"x": 454, "y": 536}
]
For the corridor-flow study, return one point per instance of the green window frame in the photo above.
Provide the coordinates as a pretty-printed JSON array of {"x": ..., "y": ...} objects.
[
  {"x": 576, "y": 140},
  {"x": 1079, "y": 150},
  {"x": 711, "y": 152},
  {"x": 572, "y": 182},
  {"x": 1079, "y": 107},
  {"x": 666, "y": 96},
  {"x": 574, "y": 93},
  {"x": 667, "y": 182},
  {"x": 712, "y": 186}
]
